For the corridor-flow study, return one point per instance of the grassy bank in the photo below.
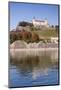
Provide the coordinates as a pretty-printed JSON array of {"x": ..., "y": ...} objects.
[
  {"x": 46, "y": 33},
  {"x": 31, "y": 34}
]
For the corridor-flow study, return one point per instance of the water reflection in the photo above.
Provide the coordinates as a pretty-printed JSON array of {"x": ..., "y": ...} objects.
[{"x": 34, "y": 63}]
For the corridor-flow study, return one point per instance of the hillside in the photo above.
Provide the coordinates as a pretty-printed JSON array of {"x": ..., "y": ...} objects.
[{"x": 27, "y": 32}]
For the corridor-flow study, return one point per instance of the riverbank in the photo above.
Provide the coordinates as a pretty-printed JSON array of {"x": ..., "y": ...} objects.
[
  {"x": 23, "y": 45},
  {"x": 32, "y": 49},
  {"x": 20, "y": 54}
]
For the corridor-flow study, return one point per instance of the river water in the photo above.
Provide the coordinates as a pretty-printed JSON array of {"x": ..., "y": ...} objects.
[{"x": 33, "y": 68}]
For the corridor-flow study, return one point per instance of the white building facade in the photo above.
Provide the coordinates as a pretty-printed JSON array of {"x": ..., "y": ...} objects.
[{"x": 40, "y": 23}]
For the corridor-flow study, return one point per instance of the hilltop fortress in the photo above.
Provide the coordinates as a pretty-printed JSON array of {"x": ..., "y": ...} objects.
[
  {"x": 35, "y": 31},
  {"x": 35, "y": 22},
  {"x": 40, "y": 23}
]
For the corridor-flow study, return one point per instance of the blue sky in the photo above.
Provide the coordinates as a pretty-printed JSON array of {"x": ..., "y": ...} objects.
[{"x": 26, "y": 12}]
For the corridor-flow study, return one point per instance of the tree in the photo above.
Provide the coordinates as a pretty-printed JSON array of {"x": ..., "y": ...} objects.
[
  {"x": 52, "y": 26},
  {"x": 23, "y": 23},
  {"x": 57, "y": 28},
  {"x": 13, "y": 37},
  {"x": 35, "y": 37}
]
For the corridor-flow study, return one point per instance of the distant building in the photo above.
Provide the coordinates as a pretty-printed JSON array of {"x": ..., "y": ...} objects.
[{"x": 40, "y": 23}]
